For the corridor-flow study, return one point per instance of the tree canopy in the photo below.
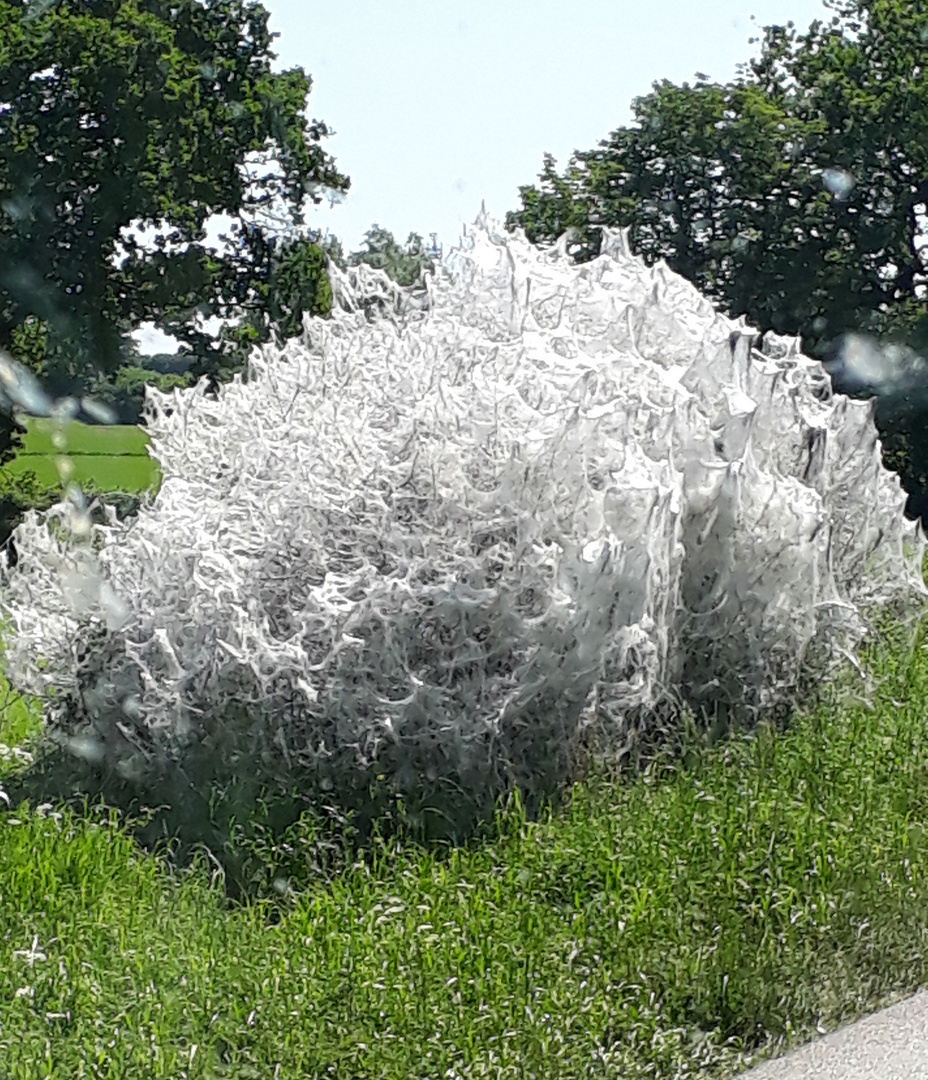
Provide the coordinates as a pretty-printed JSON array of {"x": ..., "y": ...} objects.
[
  {"x": 404, "y": 264},
  {"x": 116, "y": 111},
  {"x": 785, "y": 195},
  {"x": 795, "y": 195}
]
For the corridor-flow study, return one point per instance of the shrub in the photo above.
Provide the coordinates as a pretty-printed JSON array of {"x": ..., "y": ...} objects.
[
  {"x": 427, "y": 548},
  {"x": 124, "y": 393},
  {"x": 23, "y": 491},
  {"x": 18, "y": 493}
]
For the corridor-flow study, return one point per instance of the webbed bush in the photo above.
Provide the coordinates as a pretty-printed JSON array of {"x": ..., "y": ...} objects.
[{"x": 429, "y": 547}]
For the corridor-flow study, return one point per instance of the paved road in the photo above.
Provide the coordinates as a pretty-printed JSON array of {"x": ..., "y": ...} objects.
[{"x": 891, "y": 1044}]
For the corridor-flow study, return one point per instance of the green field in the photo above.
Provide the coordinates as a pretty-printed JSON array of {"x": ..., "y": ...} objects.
[
  {"x": 47, "y": 437},
  {"x": 114, "y": 457},
  {"x": 677, "y": 923}
]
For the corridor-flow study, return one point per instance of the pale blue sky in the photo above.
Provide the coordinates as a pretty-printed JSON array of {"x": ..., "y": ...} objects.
[{"x": 438, "y": 106}]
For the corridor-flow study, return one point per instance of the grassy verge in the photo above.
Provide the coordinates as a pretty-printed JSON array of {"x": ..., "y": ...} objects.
[
  {"x": 673, "y": 925},
  {"x": 682, "y": 923}
]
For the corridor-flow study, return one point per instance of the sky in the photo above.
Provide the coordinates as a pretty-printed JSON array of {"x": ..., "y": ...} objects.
[{"x": 438, "y": 107}]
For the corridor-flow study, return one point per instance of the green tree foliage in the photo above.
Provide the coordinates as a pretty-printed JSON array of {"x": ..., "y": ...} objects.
[
  {"x": 297, "y": 283},
  {"x": 405, "y": 265},
  {"x": 125, "y": 110},
  {"x": 124, "y": 392},
  {"x": 794, "y": 195}
]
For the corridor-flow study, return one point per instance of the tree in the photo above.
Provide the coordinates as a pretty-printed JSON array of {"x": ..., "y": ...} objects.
[
  {"x": 791, "y": 195},
  {"x": 405, "y": 265},
  {"x": 296, "y": 283},
  {"x": 125, "y": 110},
  {"x": 864, "y": 102}
]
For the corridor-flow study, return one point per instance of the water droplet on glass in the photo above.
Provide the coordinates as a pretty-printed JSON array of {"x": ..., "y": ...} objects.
[
  {"x": 131, "y": 706},
  {"x": 22, "y": 387},
  {"x": 98, "y": 411},
  {"x": 86, "y": 747},
  {"x": 116, "y": 612},
  {"x": 64, "y": 410},
  {"x": 839, "y": 182}
]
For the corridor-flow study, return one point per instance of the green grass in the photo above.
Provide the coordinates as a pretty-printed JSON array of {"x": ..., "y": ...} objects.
[
  {"x": 46, "y": 437},
  {"x": 670, "y": 924},
  {"x": 115, "y": 457},
  {"x": 130, "y": 474}
]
